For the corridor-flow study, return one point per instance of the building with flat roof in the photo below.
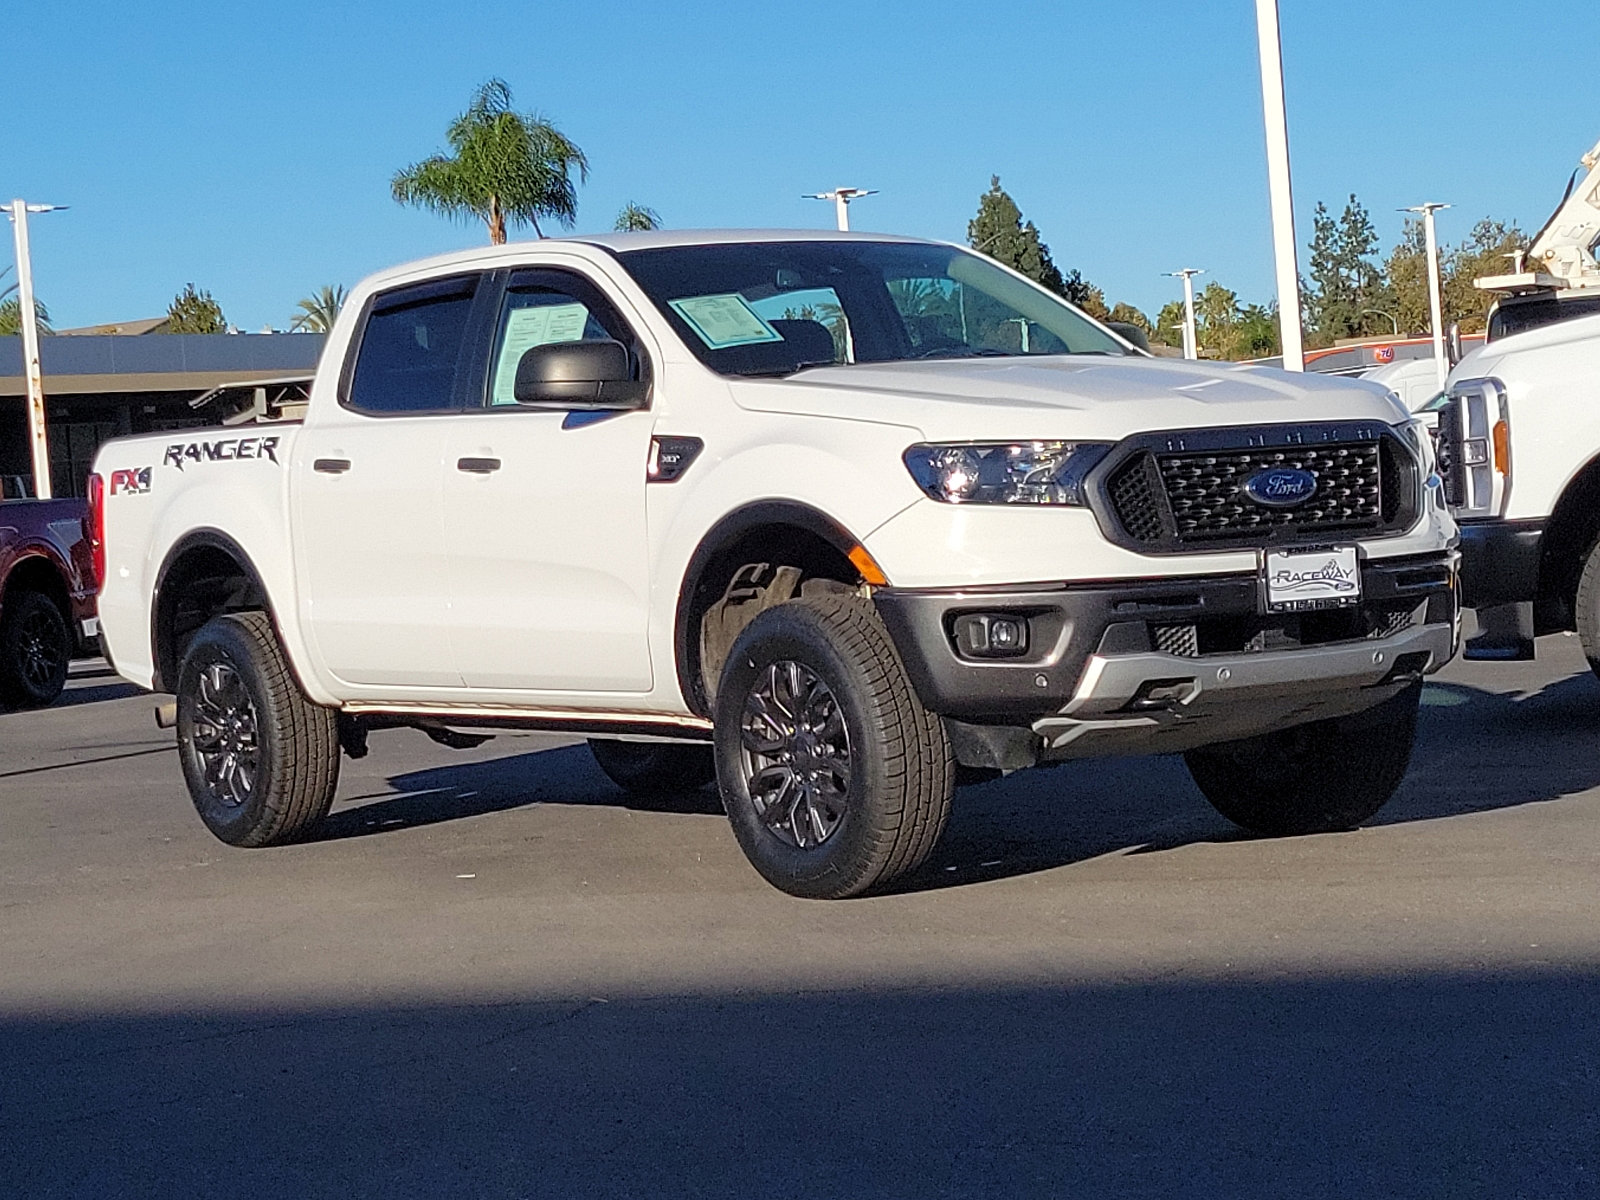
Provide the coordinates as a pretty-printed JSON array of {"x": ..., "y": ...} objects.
[{"x": 99, "y": 386}]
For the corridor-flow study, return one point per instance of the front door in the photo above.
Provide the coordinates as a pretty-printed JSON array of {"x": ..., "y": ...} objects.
[
  {"x": 368, "y": 495},
  {"x": 545, "y": 515}
]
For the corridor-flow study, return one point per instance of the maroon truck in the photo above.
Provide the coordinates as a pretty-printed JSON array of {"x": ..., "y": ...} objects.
[{"x": 47, "y": 590}]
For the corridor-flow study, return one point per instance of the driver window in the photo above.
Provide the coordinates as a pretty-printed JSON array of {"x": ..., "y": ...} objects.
[{"x": 543, "y": 308}]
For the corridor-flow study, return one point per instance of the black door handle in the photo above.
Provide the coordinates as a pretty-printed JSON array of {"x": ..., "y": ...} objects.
[
  {"x": 331, "y": 466},
  {"x": 478, "y": 466}
]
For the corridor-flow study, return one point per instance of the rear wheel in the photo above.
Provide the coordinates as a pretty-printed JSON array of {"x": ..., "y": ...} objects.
[
  {"x": 835, "y": 778},
  {"x": 261, "y": 760},
  {"x": 650, "y": 768},
  {"x": 1316, "y": 778},
  {"x": 35, "y": 648}
]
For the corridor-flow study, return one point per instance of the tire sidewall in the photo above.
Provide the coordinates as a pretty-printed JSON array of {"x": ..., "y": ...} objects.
[
  {"x": 222, "y": 640},
  {"x": 791, "y": 631}
]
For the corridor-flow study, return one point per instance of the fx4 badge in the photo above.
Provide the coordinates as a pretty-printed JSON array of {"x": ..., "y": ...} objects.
[
  {"x": 132, "y": 482},
  {"x": 226, "y": 450}
]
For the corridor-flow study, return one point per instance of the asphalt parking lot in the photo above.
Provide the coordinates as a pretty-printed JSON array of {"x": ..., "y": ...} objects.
[{"x": 493, "y": 976}]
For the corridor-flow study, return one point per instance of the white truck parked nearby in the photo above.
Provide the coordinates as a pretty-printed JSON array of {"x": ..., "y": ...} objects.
[
  {"x": 828, "y": 517},
  {"x": 1519, "y": 441}
]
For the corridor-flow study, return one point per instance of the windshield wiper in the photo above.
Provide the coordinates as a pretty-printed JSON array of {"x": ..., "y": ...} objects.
[{"x": 965, "y": 352}]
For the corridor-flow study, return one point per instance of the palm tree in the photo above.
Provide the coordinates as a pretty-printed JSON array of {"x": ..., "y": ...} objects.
[
  {"x": 507, "y": 166},
  {"x": 11, "y": 315},
  {"x": 318, "y": 310},
  {"x": 636, "y": 218}
]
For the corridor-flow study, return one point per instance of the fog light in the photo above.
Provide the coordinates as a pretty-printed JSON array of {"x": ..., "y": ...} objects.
[{"x": 991, "y": 635}]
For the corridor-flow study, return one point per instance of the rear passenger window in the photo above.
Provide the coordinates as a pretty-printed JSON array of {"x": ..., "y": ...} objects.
[{"x": 410, "y": 351}]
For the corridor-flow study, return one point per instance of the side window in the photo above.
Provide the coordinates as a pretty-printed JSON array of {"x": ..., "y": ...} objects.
[
  {"x": 410, "y": 349},
  {"x": 546, "y": 306}
]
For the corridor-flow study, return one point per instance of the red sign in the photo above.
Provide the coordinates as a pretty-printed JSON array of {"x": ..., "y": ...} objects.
[{"x": 1384, "y": 354}]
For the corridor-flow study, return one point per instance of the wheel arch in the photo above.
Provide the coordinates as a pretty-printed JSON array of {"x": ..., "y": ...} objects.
[
  {"x": 780, "y": 532},
  {"x": 38, "y": 571},
  {"x": 1571, "y": 531},
  {"x": 205, "y": 573}
]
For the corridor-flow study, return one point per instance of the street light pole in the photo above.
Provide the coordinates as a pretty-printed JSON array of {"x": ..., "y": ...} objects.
[
  {"x": 1277, "y": 127},
  {"x": 1191, "y": 344},
  {"x": 1435, "y": 301},
  {"x": 29, "y": 321},
  {"x": 841, "y": 197}
]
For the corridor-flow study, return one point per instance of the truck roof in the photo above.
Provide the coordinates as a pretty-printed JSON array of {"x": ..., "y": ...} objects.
[{"x": 479, "y": 256}]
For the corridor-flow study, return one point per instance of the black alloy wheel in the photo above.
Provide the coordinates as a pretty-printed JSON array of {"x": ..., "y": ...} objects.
[{"x": 35, "y": 649}]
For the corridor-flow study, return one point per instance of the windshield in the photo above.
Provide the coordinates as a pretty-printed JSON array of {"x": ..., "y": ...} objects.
[{"x": 772, "y": 308}]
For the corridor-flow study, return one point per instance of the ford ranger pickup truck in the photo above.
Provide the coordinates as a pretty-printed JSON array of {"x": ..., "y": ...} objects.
[
  {"x": 831, "y": 519},
  {"x": 46, "y": 597}
]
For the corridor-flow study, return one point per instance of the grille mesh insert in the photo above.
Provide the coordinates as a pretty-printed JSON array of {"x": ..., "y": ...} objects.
[{"x": 1193, "y": 497}]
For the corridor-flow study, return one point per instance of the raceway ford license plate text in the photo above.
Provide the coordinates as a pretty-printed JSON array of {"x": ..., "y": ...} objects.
[{"x": 1300, "y": 580}]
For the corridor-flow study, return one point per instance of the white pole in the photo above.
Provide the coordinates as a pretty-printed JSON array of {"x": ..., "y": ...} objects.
[
  {"x": 1277, "y": 127},
  {"x": 1191, "y": 343},
  {"x": 1435, "y": 300},
  {"x": 30, "y": 353},
  {"x": 841, "y": 204}
]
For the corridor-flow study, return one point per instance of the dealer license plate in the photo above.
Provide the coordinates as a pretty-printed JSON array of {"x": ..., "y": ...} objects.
[{"x": 1304, "y": 580}]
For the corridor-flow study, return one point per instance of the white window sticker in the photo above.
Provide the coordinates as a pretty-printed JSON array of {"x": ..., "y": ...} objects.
[
  {"x": 539, "y": 325},
  {"x": 726, "y": 320}
]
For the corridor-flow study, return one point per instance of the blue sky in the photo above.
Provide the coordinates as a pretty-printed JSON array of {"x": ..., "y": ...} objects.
[{"x": 248, "y": 148}]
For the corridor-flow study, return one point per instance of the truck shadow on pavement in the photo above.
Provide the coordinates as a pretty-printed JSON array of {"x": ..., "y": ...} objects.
[
  {"x": 1428, "y": 1084},
  {"x": 1476, "y": 751}
]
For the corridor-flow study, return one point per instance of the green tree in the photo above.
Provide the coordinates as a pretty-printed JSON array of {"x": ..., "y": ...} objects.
[
  {"x": 11, "y": 316},
  {"x": 1216, "y": 318},
  {"x": 194, "y": 311},
  {"x": 1257, "y": 334},
  {"x": 1169, "y": 324},
  {"x": 1486, "y": 250},
  {"x": 508, "y": 167},
  {"x": 319, "y": 310},
  {"x": 636, "y": 218},
  {"x": 999, "y": 231},
  {"x": 1127, "y": 314},
  {"x": 1345, "y": 281},
  {"x": 1405, "y": 274}
]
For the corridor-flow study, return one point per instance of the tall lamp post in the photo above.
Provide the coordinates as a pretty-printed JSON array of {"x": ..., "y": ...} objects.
[
  {"x": 841, "y": 197},
  {"x": 18, "y": 210},
  {"x": 1191, "y": 344},
  {"x": 1435, "y": 302},
  {"x": 1277, "y": 128}
]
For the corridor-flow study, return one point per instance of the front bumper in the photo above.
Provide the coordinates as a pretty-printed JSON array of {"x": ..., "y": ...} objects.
[
  {"x": 1500, "y": 562},
  {"x": 1192, "y": 659}
]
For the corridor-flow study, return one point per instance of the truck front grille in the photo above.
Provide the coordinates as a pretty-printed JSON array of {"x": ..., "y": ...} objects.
[{"x": 1180, "y": 498}]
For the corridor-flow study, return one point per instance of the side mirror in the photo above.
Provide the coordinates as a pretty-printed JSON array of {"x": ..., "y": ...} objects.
[
  {"x": 1130, "y": 333},
  {"x": 591, "y": 375}
]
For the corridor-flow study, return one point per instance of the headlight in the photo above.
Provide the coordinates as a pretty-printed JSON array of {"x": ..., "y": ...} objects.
[{"x": 1005, "y": 472}]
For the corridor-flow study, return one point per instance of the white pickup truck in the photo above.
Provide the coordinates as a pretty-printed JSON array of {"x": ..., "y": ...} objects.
[{"x": 830, "y": 518}]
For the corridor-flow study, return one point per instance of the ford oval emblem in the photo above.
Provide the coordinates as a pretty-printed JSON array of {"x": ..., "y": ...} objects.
[{"x": 1283, "y": 487}]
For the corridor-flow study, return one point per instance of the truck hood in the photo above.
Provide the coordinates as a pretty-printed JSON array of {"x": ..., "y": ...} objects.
[{"x": 1065, "y": 396}]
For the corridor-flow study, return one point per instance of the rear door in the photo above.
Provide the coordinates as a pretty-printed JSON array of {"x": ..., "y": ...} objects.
[
  {"x": 368, "y": 475},
  {"x": 545, "y": 512}
]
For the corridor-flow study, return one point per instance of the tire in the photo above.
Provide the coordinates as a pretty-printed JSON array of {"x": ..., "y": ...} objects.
[
  {"x": 651, "y": 768},
  {"x": 1586, "y": 608},
  {"x": 1318, "y": 778},
  {"x": 35, "y": 648},
  {"x": 237, "y": 700},
  {"x": 829, "y": 660}
]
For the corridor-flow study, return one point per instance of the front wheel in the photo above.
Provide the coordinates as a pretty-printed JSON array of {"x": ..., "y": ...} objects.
[
  {"x": 1317, "y": 778},
  {"x": 261, "y": 761},
  {"x": 835, "y": 778}
]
